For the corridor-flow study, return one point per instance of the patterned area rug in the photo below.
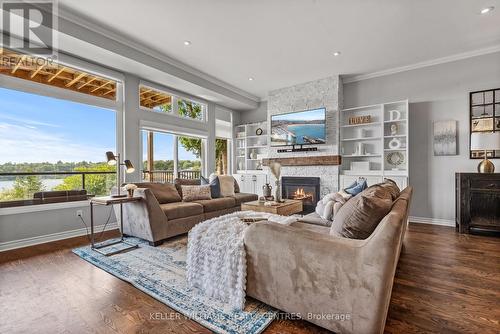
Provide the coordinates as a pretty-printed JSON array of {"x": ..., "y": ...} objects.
[{"x": 161, "y": 273}]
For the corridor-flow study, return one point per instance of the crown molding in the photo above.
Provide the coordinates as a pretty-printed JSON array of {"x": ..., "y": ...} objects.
[
  {"x": 427, "y": 63},
  {"x": 87, "y": 23}
]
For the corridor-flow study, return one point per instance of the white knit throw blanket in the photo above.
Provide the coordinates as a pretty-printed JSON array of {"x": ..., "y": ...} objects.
[{"x": 216, "y": 257}]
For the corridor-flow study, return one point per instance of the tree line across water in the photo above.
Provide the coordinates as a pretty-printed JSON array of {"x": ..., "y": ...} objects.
[{"x": 24, "y": 187}]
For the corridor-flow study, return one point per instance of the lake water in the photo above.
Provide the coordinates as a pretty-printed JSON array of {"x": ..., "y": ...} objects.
[
  {"x": 310, "y": 130},
  {"x": 47, "y": 183}
]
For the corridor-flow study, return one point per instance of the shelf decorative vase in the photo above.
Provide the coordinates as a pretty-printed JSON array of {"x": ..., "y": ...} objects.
[
  {"x": 266, "y": 190},
  {"x": 275, "y": 168},
  {"x": 277, "y": 192}
]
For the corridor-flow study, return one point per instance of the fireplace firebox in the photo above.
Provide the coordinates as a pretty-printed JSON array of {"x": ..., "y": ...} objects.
[{"x": 305, "y": 189}]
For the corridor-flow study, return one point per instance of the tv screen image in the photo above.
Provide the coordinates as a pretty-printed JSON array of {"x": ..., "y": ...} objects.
[{"x": 299, "y": 128}]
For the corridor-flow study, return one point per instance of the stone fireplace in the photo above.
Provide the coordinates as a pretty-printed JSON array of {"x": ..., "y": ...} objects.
[
  {"x": 306, "y": 189},
  {"x": 322, "y": 93}
]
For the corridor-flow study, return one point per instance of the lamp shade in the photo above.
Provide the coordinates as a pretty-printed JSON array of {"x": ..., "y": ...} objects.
[
  {"x": 129, "y": 168},
  {"x": 110, "y": 157},
  {"x": 485, "y": 141}
]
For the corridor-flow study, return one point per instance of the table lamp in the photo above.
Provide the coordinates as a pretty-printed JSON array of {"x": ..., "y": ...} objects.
[
  {"x": 115, "y": 160},
  {"x": 485, "y": 141}
]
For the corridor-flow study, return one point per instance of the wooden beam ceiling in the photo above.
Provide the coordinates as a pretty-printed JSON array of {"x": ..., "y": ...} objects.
[
  {"x": 151, "y": 98},
  {"x": 38, "y": 70}
]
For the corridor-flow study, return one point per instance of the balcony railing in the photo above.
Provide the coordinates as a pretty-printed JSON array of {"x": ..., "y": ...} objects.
[
  {"x": 168, "y": 176},
  {"x": 87, "y": 185}
]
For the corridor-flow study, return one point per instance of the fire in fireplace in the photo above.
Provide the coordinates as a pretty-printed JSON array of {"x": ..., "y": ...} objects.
[
  {"x": 300, "y": 193},
  {"x": 305, "y": 189}
]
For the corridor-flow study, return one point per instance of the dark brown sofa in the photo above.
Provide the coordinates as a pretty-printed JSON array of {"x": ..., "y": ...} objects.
[{"x": 162, "y": 214}]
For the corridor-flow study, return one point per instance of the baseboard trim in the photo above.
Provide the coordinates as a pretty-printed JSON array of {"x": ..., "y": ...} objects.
[
  {"x": 14, "y": 244},
  {"x": 432, "y": 221}
]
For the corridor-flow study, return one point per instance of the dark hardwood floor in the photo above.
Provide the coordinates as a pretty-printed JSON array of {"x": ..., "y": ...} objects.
[{"x": 445, "y": 283}]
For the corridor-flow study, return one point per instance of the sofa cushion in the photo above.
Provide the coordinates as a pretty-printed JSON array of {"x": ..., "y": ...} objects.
[
  {"x": 217, "y": 204},
  {"x": 185, "y": 182},
  {"x": 325, "y": 230},
  {"x": 226, "y": 185},
  {"x": 359, "y": 217},
  {"x": 164, "y": 192},
  {"x": 181, "y": 209},
  {"x": 214, "y": 186},
  {"x": 314, "y": 219},
  {"x": 244, "y": 197}
]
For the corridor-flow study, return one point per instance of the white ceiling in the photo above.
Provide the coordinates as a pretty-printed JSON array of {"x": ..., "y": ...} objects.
[{"x": 284, "y": 42}]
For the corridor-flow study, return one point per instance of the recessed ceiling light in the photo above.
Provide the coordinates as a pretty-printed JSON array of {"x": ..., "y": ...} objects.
[
  {"x": 250, "y": 79},
  {"x": 187, "y": 43},
  {"x": 336, "y": 53},
  {"x": 487, "y": 10}
]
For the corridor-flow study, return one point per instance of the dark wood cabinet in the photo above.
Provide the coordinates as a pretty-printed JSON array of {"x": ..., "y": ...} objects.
[{"x": 477, "y": 202}]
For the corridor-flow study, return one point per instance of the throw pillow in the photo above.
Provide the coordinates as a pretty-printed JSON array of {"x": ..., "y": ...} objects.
[
  {"x": 194, "y": 193},
  {"x": 185, "y": 182},
  {"x": 164, "y": 192},
  {"x": 214, "y": 186},
  {"x": 357, "y": 187},
  {"x": 226, "y": 185},
  {"x": 359, "y": 216}
]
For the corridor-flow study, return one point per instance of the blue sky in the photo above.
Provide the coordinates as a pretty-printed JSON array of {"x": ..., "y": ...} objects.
[
  {"x": 315, "y": 114},
  {"x": 35, "y": 128}
]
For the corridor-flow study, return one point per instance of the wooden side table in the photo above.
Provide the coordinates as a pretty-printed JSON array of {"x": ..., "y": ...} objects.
[
  {"x": 287, "y": 208},
  {"x": 108, "y": 200}
]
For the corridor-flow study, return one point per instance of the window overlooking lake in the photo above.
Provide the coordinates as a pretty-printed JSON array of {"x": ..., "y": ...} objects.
[
  {"x": 160, "y": 162},
  {"x": 41, "y": 135}
]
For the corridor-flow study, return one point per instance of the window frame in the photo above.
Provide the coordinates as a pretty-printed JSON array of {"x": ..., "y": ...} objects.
[
  {"x": 30, "y": 87},
  {"x": 148, "y": 126},
  {"x": 176, "y": 95}
]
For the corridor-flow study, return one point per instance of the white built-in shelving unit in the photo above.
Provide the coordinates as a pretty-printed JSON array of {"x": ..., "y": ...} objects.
[
  {"x": 249, "y": 173},
  {"x": 379, "y": 145}
]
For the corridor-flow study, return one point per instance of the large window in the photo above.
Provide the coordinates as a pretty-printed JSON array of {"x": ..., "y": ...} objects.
[
  {"x": 52, "y": 144},
  {"x": 167, "y": 156},
  {"x": 189, "y": 157},
  {"x": 159, "y": 101}
]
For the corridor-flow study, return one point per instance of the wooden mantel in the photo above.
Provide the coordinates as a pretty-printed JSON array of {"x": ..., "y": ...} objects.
[{"x": 316, "y": 160}]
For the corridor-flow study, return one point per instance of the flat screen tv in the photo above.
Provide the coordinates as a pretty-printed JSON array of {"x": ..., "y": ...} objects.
[{"x": 299, "y": 128}]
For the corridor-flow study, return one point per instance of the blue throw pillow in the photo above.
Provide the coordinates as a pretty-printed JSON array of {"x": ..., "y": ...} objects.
[
  {"x": 357, "y": 187},
  {"x": 214, "y": 186}
]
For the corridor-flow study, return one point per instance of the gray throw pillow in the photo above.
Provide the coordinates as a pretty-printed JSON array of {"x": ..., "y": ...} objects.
[{"x": 359, "y": 216}]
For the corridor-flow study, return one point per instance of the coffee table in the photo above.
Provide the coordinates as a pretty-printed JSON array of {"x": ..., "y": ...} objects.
[{"x": 287, "y": 208}]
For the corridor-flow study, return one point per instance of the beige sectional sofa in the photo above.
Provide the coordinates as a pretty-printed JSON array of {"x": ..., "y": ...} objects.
[
  {"x": 340, "y": 284},
  {"x": 162, "y": 214}
]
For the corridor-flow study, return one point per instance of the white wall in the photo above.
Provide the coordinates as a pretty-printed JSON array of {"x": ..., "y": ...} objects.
[
  {"x": 254, "y": 115},
  {"x": 30, "y": 228},
  {"x": 439, "y": 92}
]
